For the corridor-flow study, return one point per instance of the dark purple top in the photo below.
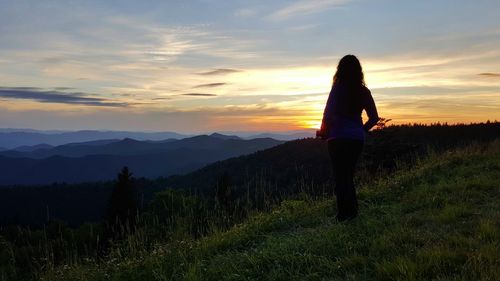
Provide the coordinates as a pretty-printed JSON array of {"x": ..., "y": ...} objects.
[{"x": 342, "y": 115}]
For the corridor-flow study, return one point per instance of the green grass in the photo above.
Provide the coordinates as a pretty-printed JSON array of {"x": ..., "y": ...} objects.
[{"x": 438, "y": 220}]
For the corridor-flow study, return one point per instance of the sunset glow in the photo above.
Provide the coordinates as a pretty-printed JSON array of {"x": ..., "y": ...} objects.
[{"x": 199, "y": 66}]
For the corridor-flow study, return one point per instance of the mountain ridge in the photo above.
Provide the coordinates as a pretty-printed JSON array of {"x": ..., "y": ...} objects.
[
  {"x": 78, "y": 163},
  {"x": 12, "y": 139}
]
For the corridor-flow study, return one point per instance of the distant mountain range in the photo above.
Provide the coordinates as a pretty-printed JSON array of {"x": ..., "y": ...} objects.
[
  {"x": 19, "y": 138},
  {"x": 286, "y": 136},
  {"x": 30, "y": 148},
  {"x": 11, "y": 138},
  {"x": 101, "y": 160}
]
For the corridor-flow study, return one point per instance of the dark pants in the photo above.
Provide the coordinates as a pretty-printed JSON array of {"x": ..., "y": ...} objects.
[{"x": 344, "y": 154}]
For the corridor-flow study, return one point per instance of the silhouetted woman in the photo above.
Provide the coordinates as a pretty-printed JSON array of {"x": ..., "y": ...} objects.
[{"x": 343, "y": 127}]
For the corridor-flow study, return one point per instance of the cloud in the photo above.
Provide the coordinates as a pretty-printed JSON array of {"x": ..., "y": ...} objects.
[
  {"x": 204, "y": 119},
  {"x": 209, "y": 85},
  {"x": 246, "y": 13},
  {"x": 306, "y": 7},
  {"x": 52, "y": 60},
  {"x": 200, "y": 95},
  {"x": 305, "y": 27},
  {"x": 55, "y": 96},
  {"x": 220, "y": 71},
  {"x": 490, "y": 74}
]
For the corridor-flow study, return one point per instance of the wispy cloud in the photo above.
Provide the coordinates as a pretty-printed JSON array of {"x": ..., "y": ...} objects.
[
  {"x": 490, "y": 74},
  {"x": 305, "y": 27},
  {"x": 136, "y": 60},
  {"x": 199, "y": 95},
  {"x": 55, "y": 96},
  {"x": 203, "y": 119},
  {"x": 306, "y": 7},
  {"x": 209, "y": 85},
  {"x": 220, "y": 71},
  {"x": 246, "y": 13}
]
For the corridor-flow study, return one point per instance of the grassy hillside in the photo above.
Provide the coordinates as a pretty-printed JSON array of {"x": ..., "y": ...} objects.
[{"x": 437, "y": 220}]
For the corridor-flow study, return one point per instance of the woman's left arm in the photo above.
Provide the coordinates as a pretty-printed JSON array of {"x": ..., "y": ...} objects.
[{"x": 371, "y": 111}]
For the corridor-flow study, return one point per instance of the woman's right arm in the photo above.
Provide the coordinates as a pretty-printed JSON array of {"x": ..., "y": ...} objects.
[{"x": 371, "y": 111}]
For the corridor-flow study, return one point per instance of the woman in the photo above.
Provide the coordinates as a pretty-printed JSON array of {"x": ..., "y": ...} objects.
[{"x": 343, "y": 127}]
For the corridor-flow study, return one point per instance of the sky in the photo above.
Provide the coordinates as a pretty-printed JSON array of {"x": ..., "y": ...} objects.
[{"x": 213, "y": 65}]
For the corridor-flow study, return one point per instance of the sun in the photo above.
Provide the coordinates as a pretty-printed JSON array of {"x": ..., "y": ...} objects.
[{"x": 310, "y": 124}]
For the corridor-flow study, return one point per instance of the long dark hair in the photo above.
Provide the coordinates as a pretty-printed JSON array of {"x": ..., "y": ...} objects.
[
  {"x": 349, "y": 77},
  {"x": 349, "y": 72}
]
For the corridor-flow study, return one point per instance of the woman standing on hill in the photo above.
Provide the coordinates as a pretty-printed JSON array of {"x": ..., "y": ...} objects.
[{"x": 343, "y": 127}]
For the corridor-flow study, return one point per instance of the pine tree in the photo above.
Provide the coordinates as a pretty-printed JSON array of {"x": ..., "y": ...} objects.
[
  {"x": 123, "y": 206},
  {"x": 223, "y": 192}
]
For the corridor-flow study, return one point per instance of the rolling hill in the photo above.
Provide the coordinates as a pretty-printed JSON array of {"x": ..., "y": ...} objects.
[
  {"x": 426, "y": 213},
  {"x": 100, "y": 160},
  {"x": 432, "y": 221},
  {"x": 280, "y": 170},
  {"x": 288, "y": 166}
]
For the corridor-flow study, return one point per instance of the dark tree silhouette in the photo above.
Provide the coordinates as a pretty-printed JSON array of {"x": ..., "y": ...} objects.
[
  {"x": 223, "y": 193},
  {"x": 123, "y": 207}
]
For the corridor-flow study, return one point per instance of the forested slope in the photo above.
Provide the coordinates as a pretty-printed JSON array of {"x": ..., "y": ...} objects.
[{"x": 438, "y": 219}]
